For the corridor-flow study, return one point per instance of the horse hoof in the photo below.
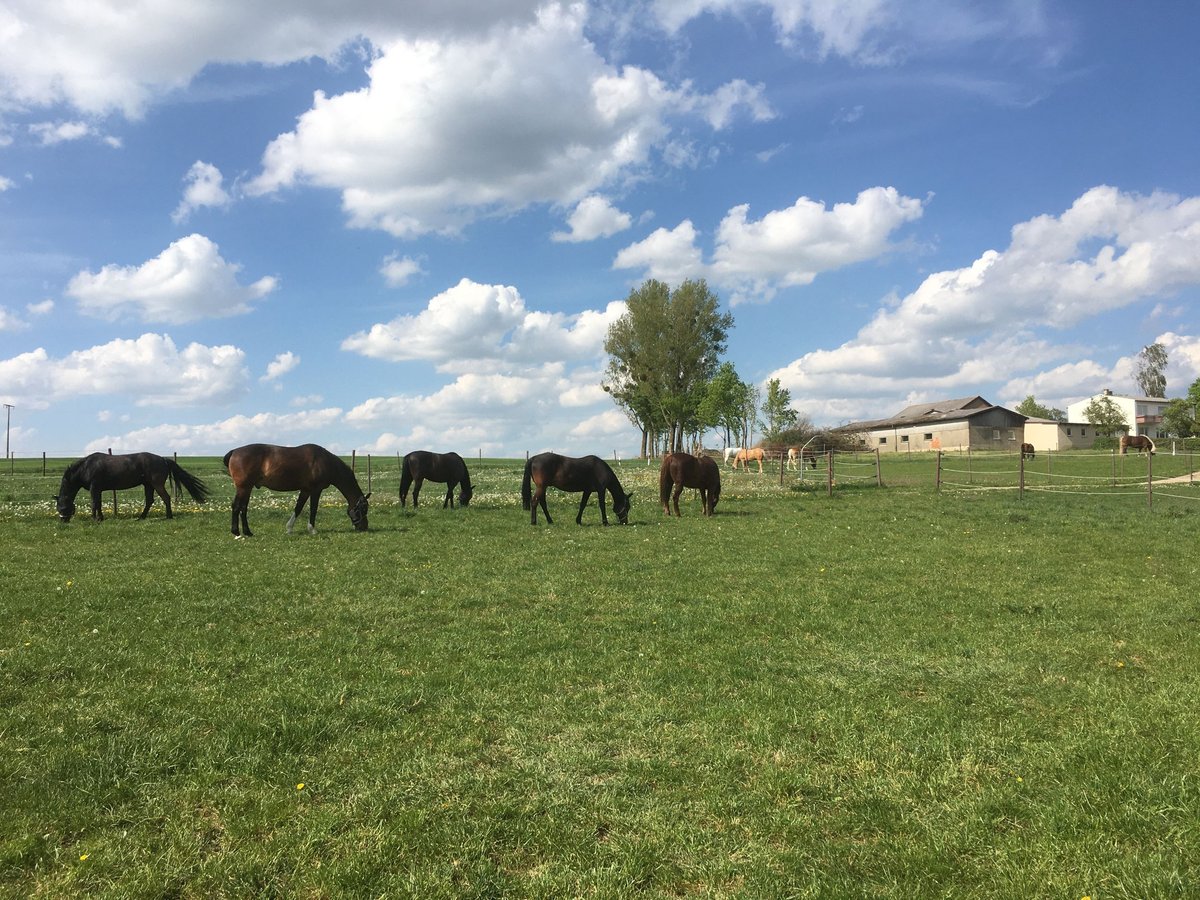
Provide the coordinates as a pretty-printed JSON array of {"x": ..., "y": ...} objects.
[{"x": 239, "y": 537}]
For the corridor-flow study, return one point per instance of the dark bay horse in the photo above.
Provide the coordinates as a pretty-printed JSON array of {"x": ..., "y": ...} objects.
[
  {"x": 1027, "y": 451},
  {"x": 444, "y": 467},
  {"x": 102, "y": 472},
  {"x": 587, "y": 473},
  {"x": 308, "y": 469},
  {"x": 1137, "y": 442},
  {"x": 680, "y": 470}
]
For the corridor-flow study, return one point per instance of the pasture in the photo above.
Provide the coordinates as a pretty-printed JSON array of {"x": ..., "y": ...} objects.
[{"x": 886, "y": 692}]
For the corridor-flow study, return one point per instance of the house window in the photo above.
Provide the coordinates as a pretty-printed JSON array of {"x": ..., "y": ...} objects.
[
  {"x": 1069, "y": 431},
  {"x": 883, "y": 440},
  {"x": 995, "y": 434},
  {"x": 929, "y": 435},
  {"x": 1082, "y": 432},
  {"x": 904, "y": 438},
  {"x": 1012, "y": 435}
]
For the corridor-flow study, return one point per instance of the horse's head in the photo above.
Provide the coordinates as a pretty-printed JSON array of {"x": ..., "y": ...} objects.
[
  {"x": 465, "y": 495},
  {"x": 65, "y": 507},
  {"x": 358, "y": 513},
  {"x": 621, "y": 508}
]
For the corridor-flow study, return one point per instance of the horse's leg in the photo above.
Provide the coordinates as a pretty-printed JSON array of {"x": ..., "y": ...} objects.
[
  {"x": 675, "y": 497},
  {"x": 449, "y": 501},
  {"x": 149, "y": 501},
  {"x": 539, "y": 499},
  {"x": 241, "y": 502},
  {"x": 296, "y": 512},
  {"x": 312, "y": 510},
  {"x": 97, "y": 499},
  {"x": 166, "y": 497},
  {"x": 417, "y": 489}
]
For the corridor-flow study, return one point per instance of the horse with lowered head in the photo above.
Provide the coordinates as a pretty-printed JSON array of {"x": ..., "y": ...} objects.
[
  {"x": 308, "y": 469},
  {"x": 1027, "y": 451},
  {"x": 589, "y": 474},
  {"x": 680, "y": 470},
  {"x": 102, "y": 472},
  {"x": 743, "y": 458},
  {"x": 1137, "y": 442},
  {"x": 448, "y": 468}
]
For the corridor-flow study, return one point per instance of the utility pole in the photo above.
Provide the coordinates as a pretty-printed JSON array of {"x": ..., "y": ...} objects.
[{"x": 8, "y": 408}]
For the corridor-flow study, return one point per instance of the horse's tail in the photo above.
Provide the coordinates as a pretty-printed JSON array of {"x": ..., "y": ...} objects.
[
  {"x": 526, "y": 492},
  {"x": 1151, "y": 442},
  {"x": 665, "y": 483},
  {"x": 193, "y": 485},
  {"x": 406, "y": 478},
  {"x": 225, "y": 459}
]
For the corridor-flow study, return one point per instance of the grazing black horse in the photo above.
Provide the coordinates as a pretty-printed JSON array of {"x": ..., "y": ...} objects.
[
  {"x": 680, "y": 470},
  {"x": 102, "y": 472},
  {"x": 308, "y": 469},
  {"x": 444, "y": 467},
  {"x": 588, "y": 474}
]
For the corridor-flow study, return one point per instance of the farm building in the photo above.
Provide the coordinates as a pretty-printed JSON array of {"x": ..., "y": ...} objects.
[
  {"x": 1048, "y": 434},
  {"x": 1143, "y": 414},
  {"x": 967, "y": 423}
]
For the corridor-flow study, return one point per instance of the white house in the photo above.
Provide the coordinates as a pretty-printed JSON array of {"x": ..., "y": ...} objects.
[{"x": 1144, "y": 414}]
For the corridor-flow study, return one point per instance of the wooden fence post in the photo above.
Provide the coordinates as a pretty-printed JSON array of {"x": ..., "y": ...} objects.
[
  {"x": 110, "y": 453},
  {"x": 939, "y": 472},
  {"x": 368, "y": 473},
  {"x": 829, "y": 471},
  {"x": 879, "y": 469},
  {"x": 1150, "y": 479},
  {"x": 1021, "y": 477}
]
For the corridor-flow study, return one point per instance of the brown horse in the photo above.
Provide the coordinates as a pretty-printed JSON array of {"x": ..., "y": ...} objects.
[
  {"x": 448, "y": 468},
  {"x": 744, "y": 457},
  {"x": 102, "y": 472},
  {"x": 1137, "y": 442},
  {"x": 1027, "y": 451},
  {"x": 308, "y": 469},
  {"x": 680, "y": 470},
  {"x": 589, "y": 474}
]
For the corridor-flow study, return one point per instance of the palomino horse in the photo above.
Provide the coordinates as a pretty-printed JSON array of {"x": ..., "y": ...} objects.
[
  {"x": 731, "y": 451},
  {"x": 801, "y": 456},
  {"x": 1137, "y": 442},
  {"x": 102, "y": 472},
  {"x": 308, "y": 469},
  {"x": 680, "y": 470},
  {"x": 744, "y": 457},
  {"x": 588, "y": 474},
  {"x": 448, "y": 468},
  {"x": 1027, "y": 451}
]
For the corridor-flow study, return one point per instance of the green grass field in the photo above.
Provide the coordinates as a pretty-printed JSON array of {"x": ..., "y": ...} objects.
[{"x": 888, "y": 692}]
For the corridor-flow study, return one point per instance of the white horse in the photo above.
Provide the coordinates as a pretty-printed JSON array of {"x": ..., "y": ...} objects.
[
  {"x": 731, "y": 451},
  {"x": 793, "y": 455}
]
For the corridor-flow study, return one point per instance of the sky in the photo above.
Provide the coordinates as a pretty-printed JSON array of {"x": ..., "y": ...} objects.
[{"x": 394, "y": 226}]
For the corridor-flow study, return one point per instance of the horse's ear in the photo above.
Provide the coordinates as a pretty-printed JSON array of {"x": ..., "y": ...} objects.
[{"x": 367, "y": 495}]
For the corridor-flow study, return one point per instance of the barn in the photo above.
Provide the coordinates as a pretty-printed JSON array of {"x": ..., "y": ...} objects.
[{"x": 968, "y": 423}]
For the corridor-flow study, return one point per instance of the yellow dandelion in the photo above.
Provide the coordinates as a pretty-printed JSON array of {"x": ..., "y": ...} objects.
[
  {"x": 300, "y": 786},
  {"x": 83, "y": 856}
]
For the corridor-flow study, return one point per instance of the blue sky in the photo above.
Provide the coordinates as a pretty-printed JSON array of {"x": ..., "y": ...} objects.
[{"x": 390, "y": 229}]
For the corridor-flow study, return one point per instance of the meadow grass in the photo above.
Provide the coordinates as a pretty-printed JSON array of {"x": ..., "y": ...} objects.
[{"x": 886, "y": 692}]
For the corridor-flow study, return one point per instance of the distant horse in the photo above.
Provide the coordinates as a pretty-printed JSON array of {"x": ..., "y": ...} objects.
[
  {"x": 1027, "y": 451},
  {"x": 680, "y": 470},
  {"x": 1137, "y": 442},
  {"x": 102, "y": 472},
  {"x": 801, "y": 456},
  {"x": 588, "y": 474},
  {"x": 744, "y": 457},
  {"x": 443, "y": 467},
  {"x": 308, "y": 469},
  {"x": 731, "y": 451}
]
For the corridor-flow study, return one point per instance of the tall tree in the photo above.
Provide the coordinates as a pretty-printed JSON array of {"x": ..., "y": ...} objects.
[
  {"x": 1106, "y": 416},
  {"x": 1030, "y": 407},
  {"x": 662, "y": 353},
  {"x": 777, "y": 410},
  {"x": 1151, "y": 375},
  {"x": 724, "y": 399},
  {"x": 1182, "y": 415}
]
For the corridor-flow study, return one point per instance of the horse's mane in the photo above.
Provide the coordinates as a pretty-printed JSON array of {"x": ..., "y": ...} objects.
[{"x": 71, "y": 473}]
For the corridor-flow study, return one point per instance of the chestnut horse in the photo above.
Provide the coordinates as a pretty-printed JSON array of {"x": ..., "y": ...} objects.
[
  {"x": 448, "y": 468},
  {"x": 680, "y": 470},
  {"x": 587, "y": 473},
  {"x": 102, "y": 472},
  {"x": 308, "y": 469},
  {"x": 1027, "y": 451},
  {"x": 1137, "y": 442},
  {"x": 744, "y": 457}
]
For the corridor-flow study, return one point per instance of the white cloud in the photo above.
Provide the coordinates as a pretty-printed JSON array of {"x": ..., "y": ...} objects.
[
  {"x": 42, "y": 308},
  {"x": 205, "y": 188},
  {"x": 1109, "y": 250},
  {"x": 6, "y": 184},
  {"x": 57, "y": 132},
  {"x": 448, "y": 131},
  {"x": 594, "y": 217},
  {"x": 10, "y": 321},
  {"x": 150, "y": 369},
  {"x": 280, "y": 366},
  {"x": 226, "y": 434},
  {"x": 106, "y": 55},
  {"x": 186, "y": 282},
  {"x": 398, "y": 270},
  {"x": 475, "y": 327},
  {"x": 788, "y": 247}
]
